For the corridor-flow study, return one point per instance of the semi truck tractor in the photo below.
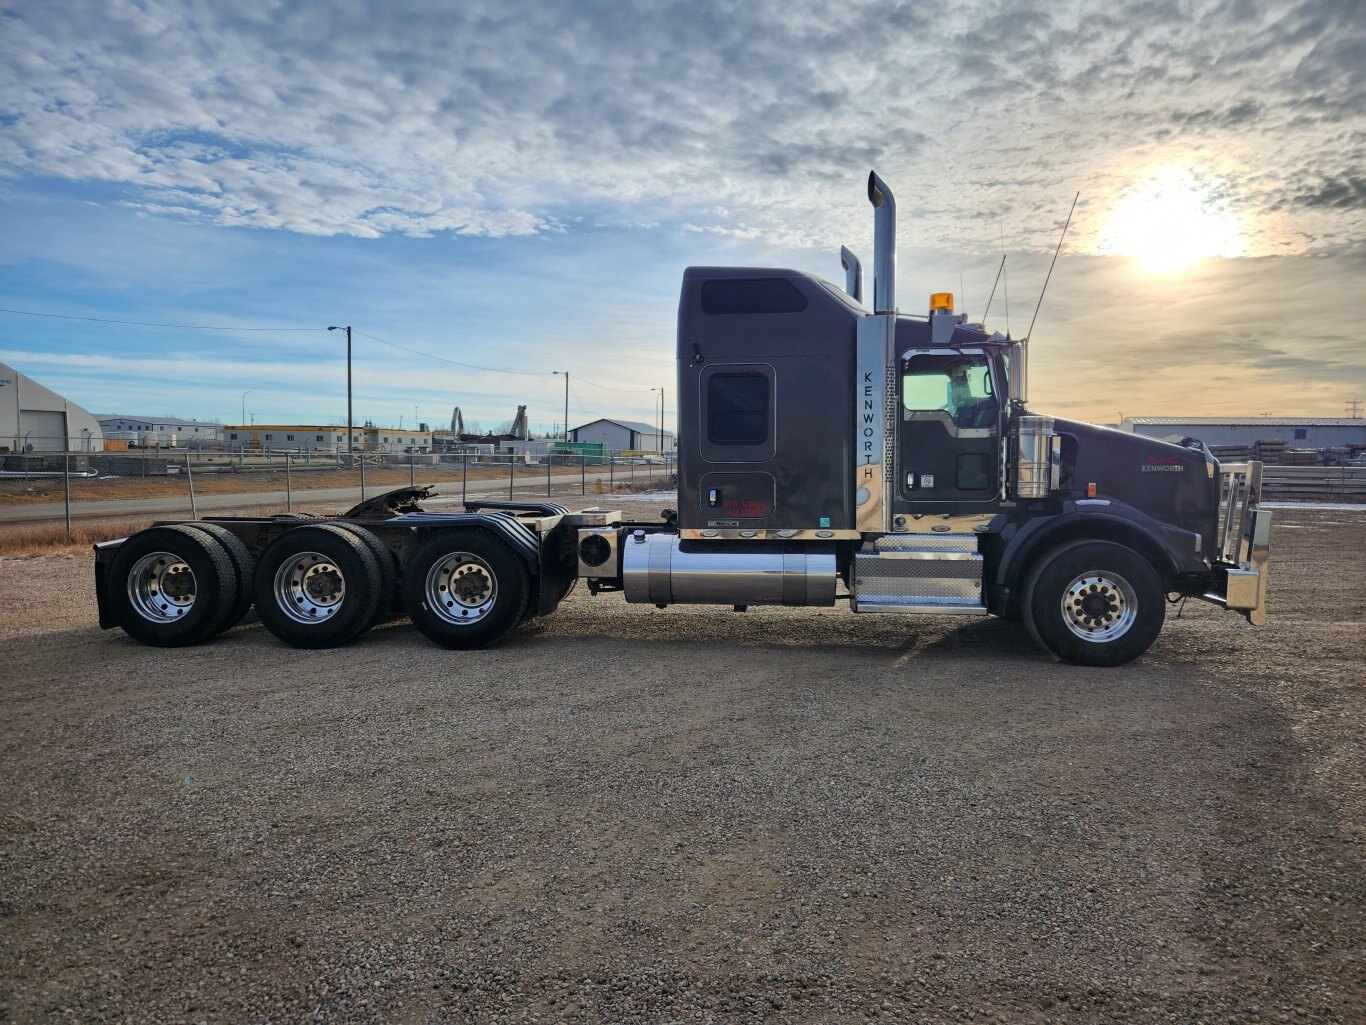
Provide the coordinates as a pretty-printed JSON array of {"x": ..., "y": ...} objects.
[{"x": 829, "y": 451}]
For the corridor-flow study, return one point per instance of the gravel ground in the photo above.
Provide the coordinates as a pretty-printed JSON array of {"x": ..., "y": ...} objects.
[{"x": 689, "y": 815}]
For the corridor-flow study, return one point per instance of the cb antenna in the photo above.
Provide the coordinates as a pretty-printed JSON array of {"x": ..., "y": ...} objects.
[
  {"x": 1030, "y": 332},
  {"x": 1005, "y": 280},
  {"x": 993, "y": 288}
]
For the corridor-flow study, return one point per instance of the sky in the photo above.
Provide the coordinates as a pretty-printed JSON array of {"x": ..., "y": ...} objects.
[{"x": 490, "y": 191}]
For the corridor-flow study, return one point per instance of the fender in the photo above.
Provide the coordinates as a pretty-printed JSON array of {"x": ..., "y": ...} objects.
[
  {"x": 1174, "y": 551},
  {"x": 502, "y": 525}
]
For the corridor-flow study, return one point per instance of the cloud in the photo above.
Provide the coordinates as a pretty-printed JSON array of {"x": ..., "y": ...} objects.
[{"x": 504, "y": 119}]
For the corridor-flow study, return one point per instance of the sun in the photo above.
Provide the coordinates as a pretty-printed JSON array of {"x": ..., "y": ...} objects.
[{"x": 1171, "y": 223}]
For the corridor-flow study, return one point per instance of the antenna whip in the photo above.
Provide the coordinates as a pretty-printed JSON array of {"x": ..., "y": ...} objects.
[
  {"x": 1056, "y": 251},
  {"x": 993, "y": 288}
]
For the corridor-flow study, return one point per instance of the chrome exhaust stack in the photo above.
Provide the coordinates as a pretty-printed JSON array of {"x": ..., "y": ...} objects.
[
  {"x": 853, "y": 274},
  {"x": 884, "y": 244}
]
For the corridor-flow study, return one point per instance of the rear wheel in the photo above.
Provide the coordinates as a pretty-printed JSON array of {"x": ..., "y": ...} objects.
[
  {"x": 242, "y": 562},
  {"x": 465, "y": 589},
  {"x": 317, "y": 586},
  {"x": 391, "y": 602},
  {"x": 172, "y": 586},
  {"x": 1095, "y": 603}
]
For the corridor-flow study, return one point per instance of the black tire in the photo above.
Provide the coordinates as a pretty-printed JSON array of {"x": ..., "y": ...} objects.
[
  {"x": 1095, "y": 603},
  {"x": 150, "y": 596},
  {"x": 243, "y": 562},
  {"x": 493, "y": 595},
  {"x": 391, "y": 601},
  {"x": 317, "y": 586}
]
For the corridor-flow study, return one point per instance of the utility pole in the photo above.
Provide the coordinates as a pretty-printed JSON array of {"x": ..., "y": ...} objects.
[
  {"x": 350, "y": 460},
  {"x": 1355, "y": 411},
  {"x": 660, "y": 391},
  {"x": 566, "y": 403}
]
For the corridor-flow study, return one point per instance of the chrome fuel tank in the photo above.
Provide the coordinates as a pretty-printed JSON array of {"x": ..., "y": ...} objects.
[{"x": 662, "y": 569}]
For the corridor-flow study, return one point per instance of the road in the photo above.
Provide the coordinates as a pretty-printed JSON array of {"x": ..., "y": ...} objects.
[{"x": 179, "y": 505}]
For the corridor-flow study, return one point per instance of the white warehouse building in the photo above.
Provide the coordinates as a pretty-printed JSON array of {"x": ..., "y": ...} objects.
[
  {"x": 1295, "y": 431},
  {"x": 167, "y": 431},
  {"x": 37, "y": 419},
  {"x": 625, "y": 436}
]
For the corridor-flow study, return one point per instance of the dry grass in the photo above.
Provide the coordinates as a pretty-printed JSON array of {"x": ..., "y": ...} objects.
[
  {"x": 20, "y": 491},
  {"x": 29, "y": 540},
  {"x": 32, "y": 540}
]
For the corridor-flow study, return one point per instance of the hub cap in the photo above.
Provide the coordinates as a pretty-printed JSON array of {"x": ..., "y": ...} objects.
[
  {"x": 161, "y": 587},
  {"x": 461, "y": 588},
  {"x": 1099, "y": 607},
  {"x": 309, "y": 588}
]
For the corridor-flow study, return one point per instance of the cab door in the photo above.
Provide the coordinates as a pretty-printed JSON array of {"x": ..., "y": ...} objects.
[{"x": 949, "y": 430}]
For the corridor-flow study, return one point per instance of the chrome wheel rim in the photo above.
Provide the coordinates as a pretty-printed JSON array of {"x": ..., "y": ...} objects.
[
  {"x": 461, "y": 588},
  {"x": 1099, "y": 607},
  {"x": 309, "y": 587},
  {"x": 161, "y": 587}
]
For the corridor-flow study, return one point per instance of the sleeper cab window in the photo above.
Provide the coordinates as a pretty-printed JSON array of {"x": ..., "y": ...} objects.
[
  {"x": 737, "y": 413},
  {"x": 737, "y": 408},
  {"x": 725, "y": 296}
]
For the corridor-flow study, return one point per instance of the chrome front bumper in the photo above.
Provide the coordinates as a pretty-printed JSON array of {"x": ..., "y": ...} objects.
[{"x": 1244, "y": 543}]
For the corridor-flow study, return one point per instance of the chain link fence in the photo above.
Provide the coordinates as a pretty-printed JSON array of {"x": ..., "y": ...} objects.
[{"x": 55, "y": 492}]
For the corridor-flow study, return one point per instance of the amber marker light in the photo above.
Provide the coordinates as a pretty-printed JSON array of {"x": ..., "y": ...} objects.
[
  {"x": 1091, "y": 490},
  {"x": 941, "y": 301}
]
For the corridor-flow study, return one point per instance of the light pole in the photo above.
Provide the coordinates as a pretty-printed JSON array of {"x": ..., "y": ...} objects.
[
  {"x": 244, "y": 407},
  {"x": 349, "y": 460},
  {"x": 566, "y": 402},
  {"x": 660, "y": 391}
]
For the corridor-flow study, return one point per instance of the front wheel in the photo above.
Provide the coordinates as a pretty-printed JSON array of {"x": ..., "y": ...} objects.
[
  {"x": 465, "y": 589},
  {"x": 1095, "y": 603}
]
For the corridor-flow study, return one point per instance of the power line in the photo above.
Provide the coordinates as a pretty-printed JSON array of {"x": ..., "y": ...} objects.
[
  {"x": 373, "y": 338},
  {"x": 492, "y": 370},
  {"x": 138, "y": 323},
  {"x": 452, "y": 362}
]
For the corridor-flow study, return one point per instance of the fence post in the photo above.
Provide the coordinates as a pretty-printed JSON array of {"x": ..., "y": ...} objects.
[
  {"x": 362, "y": 476},
  {"x": 189, "y": 476},
  {"x": 583, "y": 475},
  {"x": 412, "y": 470},
  {"x": 464, "y": 478},
  {"x": 66, "y": 489},
  {"x": 611, "y": 471},
  {"x": 549, "y": 463},
  {"x": 512, "y": 475},
  {"x": 289, "y": 484}
]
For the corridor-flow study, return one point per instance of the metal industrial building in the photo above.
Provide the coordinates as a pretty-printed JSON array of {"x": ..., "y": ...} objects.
[
  {"x": 37, "y": 419},
  {"x": 625, "y": 436},
  {"x": 1294, "y": 431},
  {"x": 290, "y": 438},
  {"x": 170, "y": 431}
]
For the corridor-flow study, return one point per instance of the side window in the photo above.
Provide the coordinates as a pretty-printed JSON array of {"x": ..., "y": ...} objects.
[
  {"x": 738, "y": 409},
  {"x": 957, "y": 385}
]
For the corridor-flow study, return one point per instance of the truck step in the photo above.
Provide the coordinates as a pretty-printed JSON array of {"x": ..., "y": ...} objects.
[{"x": 937, "y": 574}]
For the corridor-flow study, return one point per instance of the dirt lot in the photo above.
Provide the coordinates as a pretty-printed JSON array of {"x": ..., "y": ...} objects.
[{"x": 627, "y": 814}]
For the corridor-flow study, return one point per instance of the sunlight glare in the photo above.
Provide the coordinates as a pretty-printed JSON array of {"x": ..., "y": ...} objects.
[{"x": 1172, "y": 223}]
